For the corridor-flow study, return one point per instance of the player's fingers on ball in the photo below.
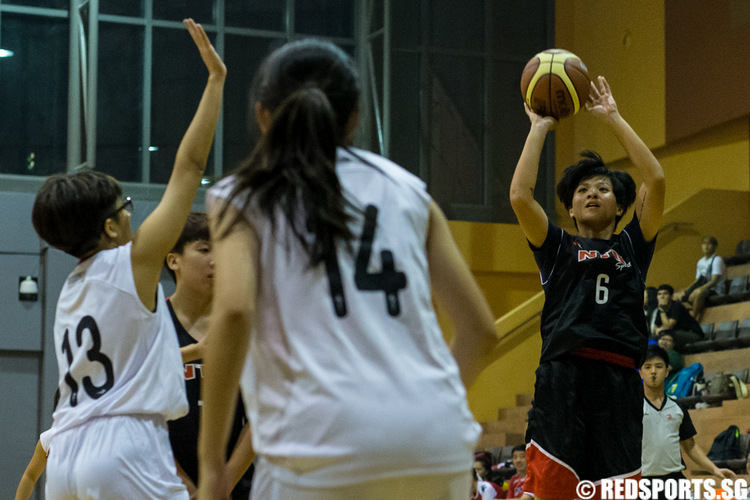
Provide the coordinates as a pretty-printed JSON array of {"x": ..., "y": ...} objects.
[
  {"x": 594, "y": 91},
  {"x": 604, "y": 85}
]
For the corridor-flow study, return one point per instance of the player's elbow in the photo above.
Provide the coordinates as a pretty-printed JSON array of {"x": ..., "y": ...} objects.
[
  {"x": 188, "y": 163},
  {"x": 658, "y": 182},
  {"x": 480, "y": 328},
  {"x": 489, "y": 340},
  {"x": 517, "y": 196},
  {"x": 234, "y": 315},
  {"x": 521, "y": 200}
]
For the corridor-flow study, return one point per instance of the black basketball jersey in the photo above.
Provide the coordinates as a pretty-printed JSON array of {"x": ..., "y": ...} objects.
[
  {"x": 183, "y": 432},
  {"x": 594, "y": 292}
]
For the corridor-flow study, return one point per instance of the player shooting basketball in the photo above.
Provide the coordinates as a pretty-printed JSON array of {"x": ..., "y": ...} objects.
[{"x": 586, "y": 422}]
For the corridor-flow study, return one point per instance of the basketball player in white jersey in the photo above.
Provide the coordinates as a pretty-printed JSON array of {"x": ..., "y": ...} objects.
[
  {"x": 117, "y": 353},
  {"x": 325, "y": 257}
]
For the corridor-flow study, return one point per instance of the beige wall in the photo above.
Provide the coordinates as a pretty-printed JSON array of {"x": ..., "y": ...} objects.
[
  {"x": 708, "y": 180},
  {"x": 505, "y": 270}
]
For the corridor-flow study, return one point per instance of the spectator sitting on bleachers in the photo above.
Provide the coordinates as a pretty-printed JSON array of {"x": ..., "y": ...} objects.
[
  {"x": 515, "y": 484},
  {"x": 483, "y": 490},
  {"x": 666, "y": 342},
  {"x": 483, "y": 465},
  {"x": 675, "y": 318},
  {"x": 709, "y": 276}
]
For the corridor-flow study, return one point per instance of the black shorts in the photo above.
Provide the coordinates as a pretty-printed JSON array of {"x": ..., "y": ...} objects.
[{"x": 586, "y": 423}]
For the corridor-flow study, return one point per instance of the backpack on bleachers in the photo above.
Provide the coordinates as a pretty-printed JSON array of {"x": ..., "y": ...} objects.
[
  {"x": 726, "y": 385},
  {"x": 719, "y": 384},
  {"x": 726, "y": 445},
  {"x": 681, "y": 385},
  {"x": 740, "y": 388}
]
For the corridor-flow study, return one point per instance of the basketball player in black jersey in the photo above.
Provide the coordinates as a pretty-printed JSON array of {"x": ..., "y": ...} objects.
[
  {"x": 586, "y": 418},
  {"x": 190, "y": 263}
]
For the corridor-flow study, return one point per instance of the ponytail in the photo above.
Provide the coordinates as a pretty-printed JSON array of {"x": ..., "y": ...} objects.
[{"x": 293, "y": 169}]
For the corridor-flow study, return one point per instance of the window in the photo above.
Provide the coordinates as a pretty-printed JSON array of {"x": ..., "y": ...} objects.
[
  {"x": 455, "y": 116},
  {"x": 457, "y": 111},
  {"x": 33, "y": 94},
  {"x": 149, "y": 80}
]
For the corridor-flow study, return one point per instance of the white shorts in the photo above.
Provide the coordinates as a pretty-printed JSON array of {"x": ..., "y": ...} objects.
[
  {"x": 117, "y": 457},
  {"x": 272, "y": 482}
]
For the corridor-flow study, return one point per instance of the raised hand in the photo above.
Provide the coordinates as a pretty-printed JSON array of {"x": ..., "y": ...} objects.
[
  {"x": 600, "y": 101},
  {"x": 545, "y": 122},
  {"x": 210, "y": 57}
]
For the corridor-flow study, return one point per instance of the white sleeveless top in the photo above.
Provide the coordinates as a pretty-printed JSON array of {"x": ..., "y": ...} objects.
[
  {"x": 114, "y": 356},
  {"x": 362, "y": 386}
]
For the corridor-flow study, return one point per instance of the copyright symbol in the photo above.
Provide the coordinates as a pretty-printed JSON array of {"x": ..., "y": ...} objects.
[{"x": 585, "y": 490}]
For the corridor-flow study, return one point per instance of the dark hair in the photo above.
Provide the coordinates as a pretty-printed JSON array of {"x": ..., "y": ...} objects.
[
  {"x": 196, "y": 229},
  {"x": 591, "y": 165},
  {"x": 311, "y": 89},
  {"x": 666, "y": 333},
  {"x": 654, "y": 351},
  {"x": 484, "y": 460},
  {"x": 70, "y": 209},
  {"x": 520, "y": 447},
  {"x": 666, "y": 287},
  {"x": 710, "y": 239}
]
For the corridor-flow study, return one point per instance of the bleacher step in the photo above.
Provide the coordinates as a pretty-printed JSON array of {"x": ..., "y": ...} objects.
[
  {"x": 524, "y": 399},
  {"x": 717, "y": 361},
  {"x": 514, "y": 412},
  {"x": 709, "y": 422},
  {"x": 509, "y": 426},
  {"x": 500, "y": 439}
]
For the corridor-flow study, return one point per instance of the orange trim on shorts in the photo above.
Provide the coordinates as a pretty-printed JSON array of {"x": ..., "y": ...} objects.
[
  {"x": 549, "y": 477},
  {"x": 609, "y": 357}
]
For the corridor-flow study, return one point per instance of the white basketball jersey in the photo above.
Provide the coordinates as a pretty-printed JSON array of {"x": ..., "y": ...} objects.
[
  {"x": 349, "y": 377},
  {"x": 114, "y": 356}
]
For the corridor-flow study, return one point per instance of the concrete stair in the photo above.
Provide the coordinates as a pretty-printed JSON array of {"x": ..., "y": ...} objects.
[{"x": 510, "y": 427}]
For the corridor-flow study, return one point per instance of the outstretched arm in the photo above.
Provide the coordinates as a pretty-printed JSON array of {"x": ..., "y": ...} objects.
[
  {"x": 235, "y": 285},
  {"x": 159, "y": 232},
  {"x": 458, "y": 293},
  {"x": 649, "y": 204},
  {"x": 529, "y": 212}
]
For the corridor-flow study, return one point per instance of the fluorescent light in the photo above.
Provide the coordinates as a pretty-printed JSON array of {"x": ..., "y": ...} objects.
[{"x": 6, "y": 53}]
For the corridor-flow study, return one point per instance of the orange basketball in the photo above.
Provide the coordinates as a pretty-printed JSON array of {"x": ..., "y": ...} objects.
[{"x": 555, "y": 83}]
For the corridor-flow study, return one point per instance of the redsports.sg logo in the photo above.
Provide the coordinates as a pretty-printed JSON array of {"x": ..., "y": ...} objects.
[{"x": 646, "y": 489}]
